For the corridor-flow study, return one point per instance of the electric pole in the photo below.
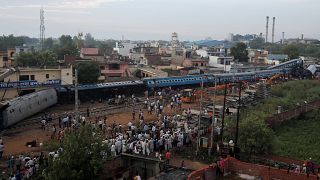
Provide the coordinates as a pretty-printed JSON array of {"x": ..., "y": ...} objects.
[
  {"x": 238, "y": 115},
  {"x": 223, "y": 112},
  {"x": 199, "y": 121},
  {"x": 213, "y": 116},
  {"x": 76, "y": 101}
]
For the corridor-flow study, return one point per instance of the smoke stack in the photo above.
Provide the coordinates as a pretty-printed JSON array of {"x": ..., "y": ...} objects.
[
  {"x": 273, "y": 23},
  {"x": 282, "y": 37},
  {"x": 267, "y": 28},
  {"x": 301, "y": 36}
]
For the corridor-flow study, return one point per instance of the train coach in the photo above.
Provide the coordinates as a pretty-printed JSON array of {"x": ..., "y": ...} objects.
[{"x": 25, "y": 106}]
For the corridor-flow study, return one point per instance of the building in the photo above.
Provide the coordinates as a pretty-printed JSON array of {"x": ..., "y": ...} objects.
[
  {"x": 199, "y": 63},
  {"x": 114, "y": 69},
  {"x": 257, "y": 56},
  {"x": 7, "y": 57},
  {"x": 28, "y": 80},
  {"x": 23, "y": 48},
  {"x": 275, "y": 59},
  {"x": 124, "y": 48},
  {"x": 221, "y": 62},
  {"x": 91, "y": 54},
  {"x": 302, "y": 41},
  {"x": 150, "y": 72}
]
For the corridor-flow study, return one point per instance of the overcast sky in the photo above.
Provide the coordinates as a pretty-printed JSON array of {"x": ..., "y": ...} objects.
[{"x": 157, "y": 19}]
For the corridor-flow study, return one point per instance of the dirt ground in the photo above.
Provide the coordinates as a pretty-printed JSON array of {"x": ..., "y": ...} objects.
[{"x": 15, "y": 142}]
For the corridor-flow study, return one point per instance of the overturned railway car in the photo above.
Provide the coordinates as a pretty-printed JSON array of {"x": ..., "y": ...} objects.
[{"x": 25, "y": 106}]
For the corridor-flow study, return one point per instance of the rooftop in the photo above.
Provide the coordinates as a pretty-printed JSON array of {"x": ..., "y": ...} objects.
[{"x": 89, "y": 51}]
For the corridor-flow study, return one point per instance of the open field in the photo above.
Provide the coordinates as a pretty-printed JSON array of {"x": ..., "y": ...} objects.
[{"x": 299, "y": 138}]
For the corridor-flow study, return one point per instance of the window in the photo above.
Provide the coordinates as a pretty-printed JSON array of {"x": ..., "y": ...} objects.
[
  {"x": 24, "y": 78},
  {"x": 201, "y": 64},
  {"x": 114, "y": 66},
  {"x": 102, "y": 67},
  {"x": 67, "y": 74},
  {"x": 31, "y": 77},
  {"x": 47, "y": 76}
]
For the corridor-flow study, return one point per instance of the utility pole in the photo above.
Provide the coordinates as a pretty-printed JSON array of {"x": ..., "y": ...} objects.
[
  {"x": 223, "y": 112},
  {"x": 199, "y": 121},
  {"x": 213, "y": 116},
  {"x": 76, "y": 101},
  {"x": 238, "y": 115}
]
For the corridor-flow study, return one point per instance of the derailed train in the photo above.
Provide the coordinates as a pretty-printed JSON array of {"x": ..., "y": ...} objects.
[{"x": 22, "y": 107}]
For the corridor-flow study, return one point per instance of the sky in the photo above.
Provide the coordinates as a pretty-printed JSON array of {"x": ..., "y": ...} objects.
[{"x": 157, "y": 19}]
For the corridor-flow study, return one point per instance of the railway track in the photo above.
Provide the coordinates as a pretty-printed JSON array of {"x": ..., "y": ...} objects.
[{"x": 98, "y": 111}]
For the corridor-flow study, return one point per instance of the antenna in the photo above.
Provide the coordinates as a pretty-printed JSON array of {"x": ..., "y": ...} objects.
[
  {"x": 267, "y": 29},
  {"x": 273, "y": 24},
  {"x": 42, "y": 29}
]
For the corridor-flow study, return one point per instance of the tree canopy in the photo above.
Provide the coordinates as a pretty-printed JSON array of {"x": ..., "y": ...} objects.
[
  {"x": 89, "y": 41},
  {"x": 81, "y": 157},
  {"x": 10, "y": 42},
  {"x": 88, "y": 72},
  {"x": 36, "y": 59},
  {"x": 292, "y": 51},
  {"x": 66, "y": 46},
  {"x": 239, "y": 51},
  {"x": 257, "y": 43}
]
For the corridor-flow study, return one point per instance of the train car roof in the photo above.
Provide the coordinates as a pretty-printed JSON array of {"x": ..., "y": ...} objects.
[{"x": 109, "y": 84}]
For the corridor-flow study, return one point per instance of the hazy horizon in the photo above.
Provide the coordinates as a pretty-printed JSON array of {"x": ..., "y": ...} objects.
[{"x": 157, "y": 19}]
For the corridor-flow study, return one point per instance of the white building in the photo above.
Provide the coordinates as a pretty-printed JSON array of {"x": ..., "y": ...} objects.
[
  {"x": 124, "y": 48},
  {"x": 202, "y": 53},
  {"x": 221, "y": 62}
]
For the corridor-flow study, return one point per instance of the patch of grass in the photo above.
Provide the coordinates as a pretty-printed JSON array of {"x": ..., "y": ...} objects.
[{"x": 299, "y": 138}]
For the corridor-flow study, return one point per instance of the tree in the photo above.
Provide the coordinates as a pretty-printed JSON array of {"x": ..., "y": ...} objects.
[
  {"x": 81, "y": 157},
  {"x": 255, "y": 136},
  {"x": 89, "y": 41},
  {"x": 239, "y": 51},
  {"x": 292, "y": 51},
  {"x": 10, "y": 42},
  {"x": 36, "y": 59},
  {"x": 105, "y": 48},
  {"x": 88, "y": 72},
  {"x": 257, "y": 43},
  {"x": 48, "y": 44},
  {"x": 66, "y": 46}
]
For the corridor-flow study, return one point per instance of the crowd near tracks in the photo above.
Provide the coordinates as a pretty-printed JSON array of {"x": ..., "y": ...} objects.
[{"x": 102, "y": 110}]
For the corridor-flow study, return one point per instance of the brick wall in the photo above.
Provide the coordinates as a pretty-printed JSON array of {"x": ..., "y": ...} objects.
[
  {"x": 265, "y": 172},
  {"x": 200, "y": 174},
  {"x": 233, "y": 165}
]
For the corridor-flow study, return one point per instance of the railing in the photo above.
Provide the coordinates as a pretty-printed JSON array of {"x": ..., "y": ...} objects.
[{"x": 295, "y": 112}]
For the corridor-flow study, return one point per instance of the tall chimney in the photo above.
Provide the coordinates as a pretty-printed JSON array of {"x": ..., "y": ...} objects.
[
  {"x": 267, "y": 28},
  {"x": 282, "y": 37},
  {"x": 273, "y": 23}
]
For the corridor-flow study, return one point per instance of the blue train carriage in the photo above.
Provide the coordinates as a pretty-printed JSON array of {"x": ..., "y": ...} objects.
[{"x": 176, "y": 81}]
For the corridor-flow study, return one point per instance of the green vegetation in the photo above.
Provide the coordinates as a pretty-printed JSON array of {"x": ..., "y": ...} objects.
[
  {"x": 88, "y": 72},
  {"x": 292, "y": 50},
  {"x": 37, "y": 59},
  {"x": 299, "y": 138},
  {"x": 254, "y": 134},
  {"x": 81, "y": 157},
  {"x": 239, "y": 52}
]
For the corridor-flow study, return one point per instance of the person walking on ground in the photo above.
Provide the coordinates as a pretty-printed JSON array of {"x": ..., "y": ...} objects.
[
  {"x": 1, "y": 149},
  {"x": 137, "y": 177},
  {"x": 168, "y": 157}
]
